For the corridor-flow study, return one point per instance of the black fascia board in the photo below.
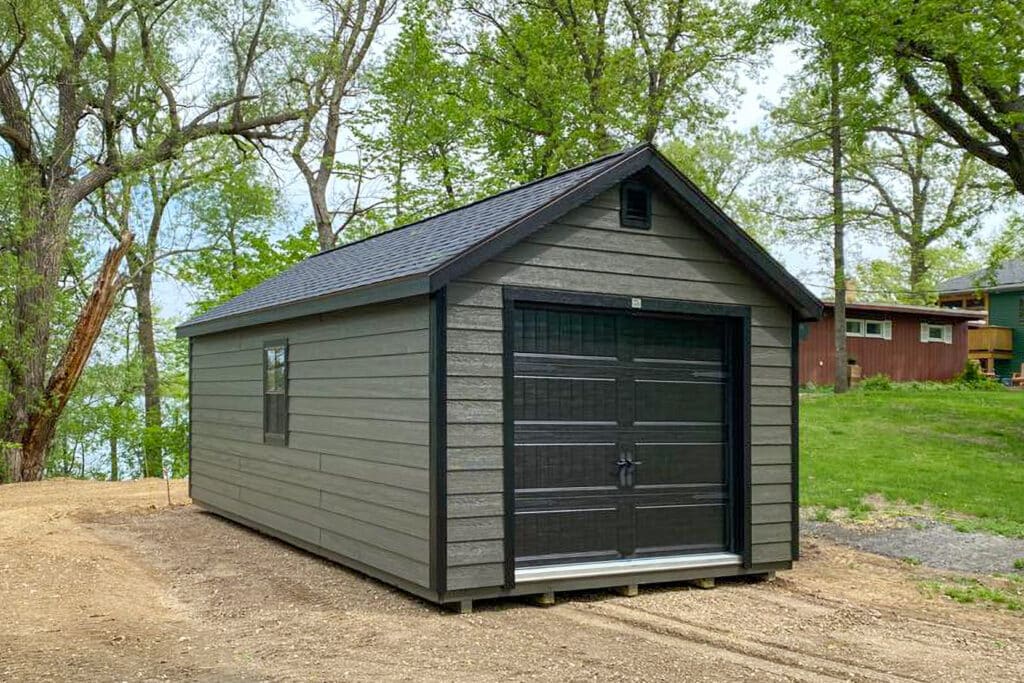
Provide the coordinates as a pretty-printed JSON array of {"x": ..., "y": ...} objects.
[
  {"x": 388, "y": 290},
  {"x": 631, "y": 163},
  {"x": 738, "y": 243},
  {"x": 645, "y": 158}
]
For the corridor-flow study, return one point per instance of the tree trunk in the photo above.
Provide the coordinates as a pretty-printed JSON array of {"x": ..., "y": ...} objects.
[
  {"x": 41, "y": 422},
  {"x": 838, "y": 224},
  {"x": 152, "y": 448},
  {"x": 918, "y": 270},
  {"x": 446, "y": 180},
  {"x": 322, "y": 215},
  {"x": 11, "y": 453},
  {"x": 114, "y": 474},
  {"x": 39, "y": 259}
]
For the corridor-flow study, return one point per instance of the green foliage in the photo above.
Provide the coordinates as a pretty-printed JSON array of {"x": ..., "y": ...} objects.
[
  {"x": 507, "y": 91},
  {"x": 962, "y": 63},
  {"x": 888, "y": 280},
  {"x": 960, "y": 453},
  {"x": 724, "y": 165},
  {"x": 925, "y": 197},
  {"x": 879, "y": 382},
  {"x": 223, "y": 271},
  {"x": 971, "y": 374},
  {"x": 235, "y": 217},
  {"x": 1018, "y": 564},
  {"x": 421, "y": 98},
  {"x": 967, "y": 590}
]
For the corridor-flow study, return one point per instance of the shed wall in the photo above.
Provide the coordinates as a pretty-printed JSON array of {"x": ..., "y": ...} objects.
[
  {"x": 904, "y": 358},
  {"x": 354, "y": 478},
  {"x": 588, "y": 251}
]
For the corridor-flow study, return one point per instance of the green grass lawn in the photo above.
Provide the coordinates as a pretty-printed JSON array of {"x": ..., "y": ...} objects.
[{"x": 959, "y": 452}]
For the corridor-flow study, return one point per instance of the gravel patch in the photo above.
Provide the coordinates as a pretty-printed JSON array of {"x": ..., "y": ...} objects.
[{"x": 933, "y": 543}]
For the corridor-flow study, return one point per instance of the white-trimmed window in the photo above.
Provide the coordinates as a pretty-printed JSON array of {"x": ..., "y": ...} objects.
[
  {"x": 936, "y": 334},
  {"x": 873, "y": 329}
]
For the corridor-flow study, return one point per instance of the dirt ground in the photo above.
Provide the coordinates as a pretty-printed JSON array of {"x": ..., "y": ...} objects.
[{"x": 105, "y": 582}]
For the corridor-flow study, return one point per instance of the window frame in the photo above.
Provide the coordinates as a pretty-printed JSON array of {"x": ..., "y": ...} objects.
[
  {"x": 276, "y": 438},
  {"x": 885, "y": 333},
  {"x": 632, "y": 222},
  {"x": 946, "y": 331}
]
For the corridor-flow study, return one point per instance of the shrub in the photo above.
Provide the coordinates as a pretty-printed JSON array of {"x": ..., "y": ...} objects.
[
  {"x": 971, "y": 374},
  {"x": 880, "y": 382},
  {"x": 973, "y": 378}
]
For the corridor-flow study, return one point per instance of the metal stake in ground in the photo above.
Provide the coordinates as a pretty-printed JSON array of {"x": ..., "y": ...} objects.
[{"x": 167, "y": 479}]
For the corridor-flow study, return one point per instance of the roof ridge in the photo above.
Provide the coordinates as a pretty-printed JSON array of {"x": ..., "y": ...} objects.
[
  {"x": 622, "y": 152},
  {"x": 986, "y": 269}
]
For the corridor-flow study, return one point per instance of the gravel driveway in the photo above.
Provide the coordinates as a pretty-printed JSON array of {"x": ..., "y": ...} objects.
[{"x": 931, "y": 543}]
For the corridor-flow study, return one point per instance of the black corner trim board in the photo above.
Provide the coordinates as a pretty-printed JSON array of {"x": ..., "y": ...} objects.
[
  {"x": 508, "y": 295},
  {"x": 191, "y": 368},
  {"x": 439, "y": 441},
  {"x": 740, "y": 408},
  {"x": 644, "y": 162},
  {"x": 794, "y": 436}
]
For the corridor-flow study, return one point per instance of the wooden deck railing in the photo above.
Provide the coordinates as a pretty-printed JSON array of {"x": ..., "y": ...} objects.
[{"x": 990, "y": 339}]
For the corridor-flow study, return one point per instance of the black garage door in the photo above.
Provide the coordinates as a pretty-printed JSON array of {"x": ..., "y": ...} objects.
[{"x": 621, "y": 431}]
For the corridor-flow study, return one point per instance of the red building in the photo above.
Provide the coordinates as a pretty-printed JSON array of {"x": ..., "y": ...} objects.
[{"x": 904, "y": 342}]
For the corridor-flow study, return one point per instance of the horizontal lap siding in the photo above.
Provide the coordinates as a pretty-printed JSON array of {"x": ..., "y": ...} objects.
[
  {"x": 904, "y": 358},
  {"x": 587, "y": 251},
  {"x": 354, "y": 478}
]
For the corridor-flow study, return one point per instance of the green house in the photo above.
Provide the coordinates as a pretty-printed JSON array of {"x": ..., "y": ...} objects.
[{"x": 999, "y": 345}]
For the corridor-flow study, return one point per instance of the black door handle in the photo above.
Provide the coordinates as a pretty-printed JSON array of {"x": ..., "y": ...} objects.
[
  {"x": 630, "y": 469},
  {"x": 627, "y": 469}
]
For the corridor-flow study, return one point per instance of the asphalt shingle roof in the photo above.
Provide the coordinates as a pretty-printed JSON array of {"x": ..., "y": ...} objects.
[
  {"x": 1008, "y": 273},
  {"x": 415, "y": 249}
]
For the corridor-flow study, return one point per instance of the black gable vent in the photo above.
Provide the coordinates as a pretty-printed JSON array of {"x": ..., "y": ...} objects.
[{"x": 635, "y": 206}]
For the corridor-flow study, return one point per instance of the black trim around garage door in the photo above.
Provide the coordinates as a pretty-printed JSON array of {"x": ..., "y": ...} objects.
[
  {"x": 439, "y": 440},
  {"x": 739, "y": 410}
]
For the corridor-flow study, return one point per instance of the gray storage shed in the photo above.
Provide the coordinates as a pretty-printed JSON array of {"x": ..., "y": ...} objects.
[{"x": 586, "y": 381}]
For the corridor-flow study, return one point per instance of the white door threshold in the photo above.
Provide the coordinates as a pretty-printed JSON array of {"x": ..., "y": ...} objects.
[{"x": 613, "y": 567}]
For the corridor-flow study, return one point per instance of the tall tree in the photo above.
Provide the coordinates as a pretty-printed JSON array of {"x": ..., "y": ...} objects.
[
  {"x": 962, "y": 64},
  {"x": 234, "y": 221},
  {"x": 920, "y": 191},
  {"x": 886, "y": 279},
  {"x": 726, "y": 165},
  {"x": 72, "y": 78},
  {"x": 428, "y": 134},
  {"x": 817, "y": 128},
  {"x": 334, "y": 54},
  {"x": 836, "y": 153},
  {"x": 143, "y": 203},
  {"x": 560, "y": 81}
]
